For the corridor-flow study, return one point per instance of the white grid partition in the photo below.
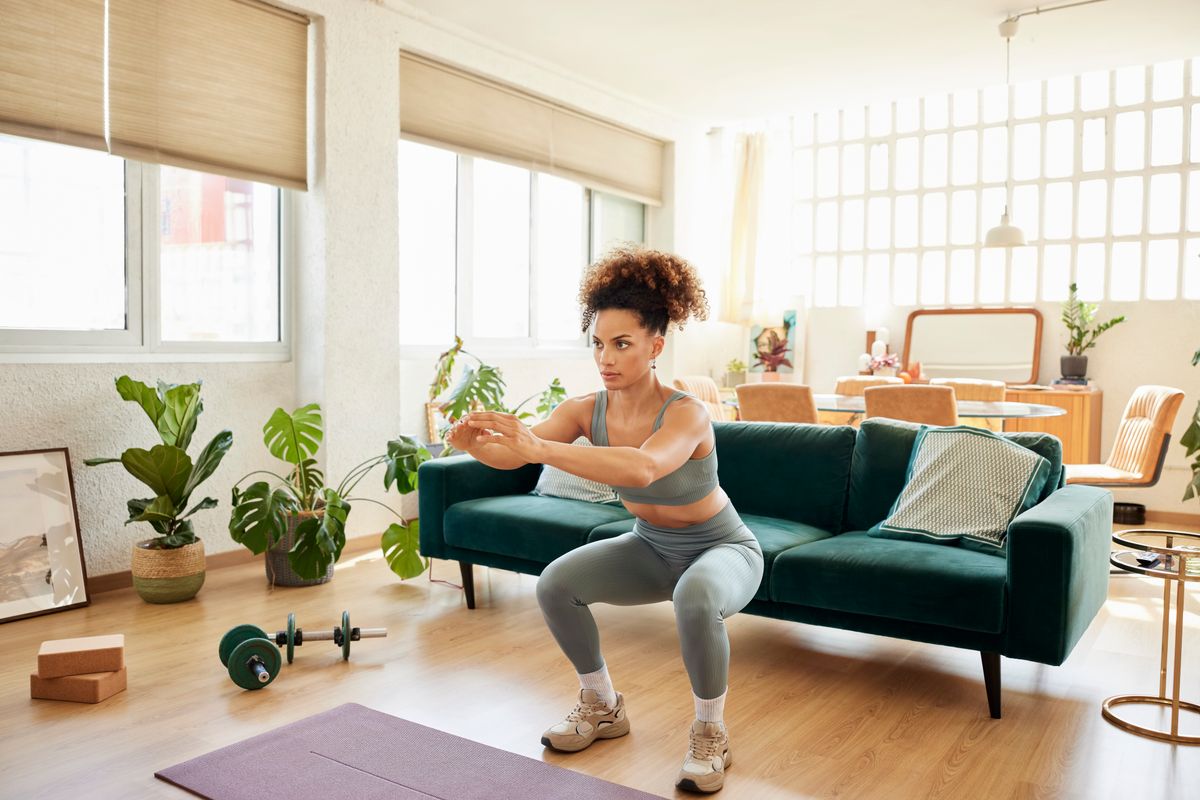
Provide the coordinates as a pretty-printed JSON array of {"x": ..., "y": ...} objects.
[{"x": 892, "y": 201}]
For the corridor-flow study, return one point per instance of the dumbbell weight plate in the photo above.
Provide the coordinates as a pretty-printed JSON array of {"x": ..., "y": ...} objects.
[
  {"x": 291, "y": 636},
  {"x": 240, "y": 669},
  {"x": 345, "y": 635},
  {"x": 235, "y": 636}
]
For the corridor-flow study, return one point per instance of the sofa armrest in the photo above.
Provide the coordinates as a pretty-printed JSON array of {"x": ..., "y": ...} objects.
[
  {"x": 1057, "y": 572},
  {"x": 442, "y": 482}
]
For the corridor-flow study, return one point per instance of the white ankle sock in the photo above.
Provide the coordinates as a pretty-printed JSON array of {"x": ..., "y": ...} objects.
[
  {"x": 601, "y": 684},
  {"x": 711, "y": 710}
]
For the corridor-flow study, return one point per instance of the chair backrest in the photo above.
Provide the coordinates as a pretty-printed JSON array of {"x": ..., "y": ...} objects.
[
  {"x": 855, "y": 384},
  {"x": 776, "y": 402},
  {"x": 930, "y": 405},
  {"x": 705, "y": 389},
  {"x": 1144, "y": 428},
  {"x": 973, "y": 388}
]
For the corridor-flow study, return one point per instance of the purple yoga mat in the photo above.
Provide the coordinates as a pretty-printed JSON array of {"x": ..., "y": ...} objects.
[{"x": 354, "y": 751}]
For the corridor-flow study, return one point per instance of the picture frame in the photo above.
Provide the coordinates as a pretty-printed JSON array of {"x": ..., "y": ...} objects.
[
  {"x": 42, "y": 564},
  {"x": 780, "y": 339}
]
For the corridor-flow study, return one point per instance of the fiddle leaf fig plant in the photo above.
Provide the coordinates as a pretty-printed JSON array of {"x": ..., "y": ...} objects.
[
  {"x": 166, "y": 468},
  {"x": 1191, "y": 442},
  {"x": 260, "y": 511}
]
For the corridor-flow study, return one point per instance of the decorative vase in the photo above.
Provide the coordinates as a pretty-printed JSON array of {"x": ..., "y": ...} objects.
[
  {"x": 771, "y": 376},
  {"x": 279, "y": 571},
  {"x": 1073, "y": 366},
  {"x": 167, "y": 574},
  {"x": 733, "y": 379},
  {"x": 886, "y": 372}
]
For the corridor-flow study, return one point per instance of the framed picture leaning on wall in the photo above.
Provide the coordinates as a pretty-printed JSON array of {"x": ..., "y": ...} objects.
[{"x": 42, "y": 566}]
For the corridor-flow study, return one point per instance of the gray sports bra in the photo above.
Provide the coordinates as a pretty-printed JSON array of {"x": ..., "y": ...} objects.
[{"x": 692, "y": 481}]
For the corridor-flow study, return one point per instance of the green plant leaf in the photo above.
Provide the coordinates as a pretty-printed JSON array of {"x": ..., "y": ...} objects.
[
  {"x": 444, "y": 369},
  {"x": 404, "y": 456},
  {"x": 259, "y": 518},
  {"x": 178, "y": 420},
  {"x": 137, "y": 513},
  {"x": 207, "y": 502},
  {"x": 165, "y": 469},
  {"x": 294, "y": 437},
  {"x": 401, "y": 548},
  {"x": 184, "y": 535},
  {"x": 143, "y": 395},
  {"x": 308, "y": 481},
  {"x": 207, "y": 461},
  {"x": 91, "y": 462},
  {"x": 319, "y": 540},
  {"x": 551, "y": 398},
  {"x": 482, "y": 385}
]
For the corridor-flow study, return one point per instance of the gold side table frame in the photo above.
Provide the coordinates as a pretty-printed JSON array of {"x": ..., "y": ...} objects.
[{"x": 1179, "y": 563}]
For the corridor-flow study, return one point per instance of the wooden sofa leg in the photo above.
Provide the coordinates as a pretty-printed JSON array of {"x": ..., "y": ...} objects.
[
  {"x": 468, "y": 578},
  {"x": 991, "y": 681}
]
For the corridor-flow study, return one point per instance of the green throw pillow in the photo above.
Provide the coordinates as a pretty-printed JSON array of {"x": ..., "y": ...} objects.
[{"x": 963, "y": 487}]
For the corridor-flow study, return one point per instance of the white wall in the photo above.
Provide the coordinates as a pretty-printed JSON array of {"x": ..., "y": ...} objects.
[{"x": 347, "y": 350}]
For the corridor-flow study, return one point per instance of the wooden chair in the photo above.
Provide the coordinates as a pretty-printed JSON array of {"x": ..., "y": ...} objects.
[
  {"x": 976, "y": 389},
  {"x": 853, "y": 385},
  {"x": 1141, "y": 445},
  {"x": 705, "y": 389},
  {"x": 776, "y": 402},
  {"x": 931, "y": 405}
]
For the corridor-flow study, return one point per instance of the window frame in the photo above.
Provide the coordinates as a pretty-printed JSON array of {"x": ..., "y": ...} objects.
[{"x": 141, "y": 340}]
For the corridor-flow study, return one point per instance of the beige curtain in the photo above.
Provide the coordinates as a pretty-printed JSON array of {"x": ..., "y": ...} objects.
[
  {"x": 469, "y": 113},
  {"x": 218, "y": 86},
  {"x": 52, "y": 70},
  {"x": 738, "y": 291}
]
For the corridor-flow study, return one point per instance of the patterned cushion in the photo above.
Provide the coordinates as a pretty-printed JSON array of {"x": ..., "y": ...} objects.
[
  {"x": 964, "y": 485},
  {"x": 555, "y": 482}
]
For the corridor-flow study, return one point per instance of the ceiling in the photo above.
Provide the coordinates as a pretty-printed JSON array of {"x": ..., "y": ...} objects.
[{"x": 718, "y": 61}]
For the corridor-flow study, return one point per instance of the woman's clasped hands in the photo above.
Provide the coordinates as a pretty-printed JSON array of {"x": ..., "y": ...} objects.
[{"x": 504, "y": 430}]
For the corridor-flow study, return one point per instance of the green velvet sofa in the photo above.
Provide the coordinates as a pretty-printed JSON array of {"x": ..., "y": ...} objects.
[{"x": 809, "y": 493}]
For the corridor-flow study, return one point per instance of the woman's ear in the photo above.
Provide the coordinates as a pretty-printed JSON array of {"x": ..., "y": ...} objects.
[{"x": 660, "y": 343}]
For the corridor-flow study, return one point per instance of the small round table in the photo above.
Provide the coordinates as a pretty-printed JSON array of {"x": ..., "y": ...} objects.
[{"x": 1178, "y": 559}]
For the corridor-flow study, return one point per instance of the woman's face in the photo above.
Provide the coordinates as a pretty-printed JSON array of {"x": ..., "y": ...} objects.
[{"x": 622, "y": 348}]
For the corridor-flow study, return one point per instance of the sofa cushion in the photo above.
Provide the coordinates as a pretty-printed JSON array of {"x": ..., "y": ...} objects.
[
  {"x": 964, "y": 485},
  {"x": 786, "y": 470},
  {"x": 856, "y": 573},
  {"x": 774, "y": 536},
  {"x": 881, "y": 455},
  {"x": 525, "y": 525}
]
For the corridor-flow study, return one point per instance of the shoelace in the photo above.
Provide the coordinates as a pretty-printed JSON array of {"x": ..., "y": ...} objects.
[
  {"x": 582, "y": 710},
  {"x": 703, "y": 747}
]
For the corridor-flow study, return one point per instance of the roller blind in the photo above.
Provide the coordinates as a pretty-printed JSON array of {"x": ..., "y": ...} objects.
[
  {"x": 218, "y": 86},
  {"x": 52, "y": 70},
  {"x": 444, "y": 105}
]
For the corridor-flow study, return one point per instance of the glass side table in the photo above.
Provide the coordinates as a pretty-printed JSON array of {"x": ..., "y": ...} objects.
[{"x": 1172, "y": 556}]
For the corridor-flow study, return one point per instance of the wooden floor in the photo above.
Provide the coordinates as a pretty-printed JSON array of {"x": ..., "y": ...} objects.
[{"x": 812, "y": 712}]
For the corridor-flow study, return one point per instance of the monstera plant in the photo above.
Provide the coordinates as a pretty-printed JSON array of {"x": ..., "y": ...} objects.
[
  {"x": 167, "y": 468},
  {"x": 1191, "y": 442},
  {"x": 303, "y": 508}
]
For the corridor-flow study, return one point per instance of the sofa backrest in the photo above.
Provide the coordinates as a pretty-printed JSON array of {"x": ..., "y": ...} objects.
[
  {"x": 881, "y": 454},
  {"x": 787, "y": 470}
]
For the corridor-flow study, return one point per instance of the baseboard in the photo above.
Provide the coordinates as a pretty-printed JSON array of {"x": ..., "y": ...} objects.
[
  {"x": 1173, "y": 518},
  {"x": 97, "y": 584}
]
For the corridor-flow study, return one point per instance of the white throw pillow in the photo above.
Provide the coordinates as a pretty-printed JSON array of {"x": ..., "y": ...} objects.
[{"x": 555, "y": 482}]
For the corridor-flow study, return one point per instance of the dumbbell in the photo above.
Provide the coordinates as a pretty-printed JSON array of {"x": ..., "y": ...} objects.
[{"x": 341, "y": 636}]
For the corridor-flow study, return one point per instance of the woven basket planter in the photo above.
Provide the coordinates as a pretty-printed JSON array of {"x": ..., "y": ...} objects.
[
  {"x": 167, "y": 575},
  {"x": 279, "y": 571}
]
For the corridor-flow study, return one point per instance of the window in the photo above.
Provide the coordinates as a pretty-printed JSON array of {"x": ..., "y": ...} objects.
[
  {"x": 90, "y": 264},
  {"x": 1104, "y": 179},
  {"x": 494, "y": 253}
]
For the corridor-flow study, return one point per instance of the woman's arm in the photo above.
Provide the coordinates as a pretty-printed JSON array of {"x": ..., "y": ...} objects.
[
  {"x": 684, "y": 427},
  {"x": 561, "y": 426}
]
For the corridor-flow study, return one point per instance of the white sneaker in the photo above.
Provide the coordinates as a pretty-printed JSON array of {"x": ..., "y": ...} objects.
[
  {"x": 708, "y": 757},
  {"x": 591, "y": 719}
]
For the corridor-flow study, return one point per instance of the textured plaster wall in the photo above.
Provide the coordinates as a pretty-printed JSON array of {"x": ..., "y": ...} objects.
[{"x": 77, "y": 406}]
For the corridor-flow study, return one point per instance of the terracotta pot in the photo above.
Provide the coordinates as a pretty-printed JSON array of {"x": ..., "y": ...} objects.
[
  {"x": 771, "y": 376},
  {"x": 167, "y": 575},
  {"x": 279, "y": 571}
]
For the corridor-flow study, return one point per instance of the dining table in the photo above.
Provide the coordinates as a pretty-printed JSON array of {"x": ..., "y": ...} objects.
[{"x": 978, "y": 409}]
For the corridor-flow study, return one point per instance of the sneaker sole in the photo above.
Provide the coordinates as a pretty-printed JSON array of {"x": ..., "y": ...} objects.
[{"x": 613, "y": 731}]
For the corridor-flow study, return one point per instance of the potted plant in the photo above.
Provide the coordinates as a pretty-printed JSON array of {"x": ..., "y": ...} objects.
[
  {"x": 1079, "y": 318},
  {"x": 771, "y": 357},
  {"x": 735, "y": 372},
  {"x": 168, "y": 568},
  {"x": 481, "y": 388},
  {"x": 301, "y": 523},
  {"x": 1191, "y": 442}
]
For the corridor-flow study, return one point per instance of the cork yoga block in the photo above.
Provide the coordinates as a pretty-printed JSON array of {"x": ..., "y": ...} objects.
[
  {"x": 90, "y": 688},
  {"x": 60, "y": 657}
]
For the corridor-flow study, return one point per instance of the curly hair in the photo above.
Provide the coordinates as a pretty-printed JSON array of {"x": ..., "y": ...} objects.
[{"x": 659, "y": 287}]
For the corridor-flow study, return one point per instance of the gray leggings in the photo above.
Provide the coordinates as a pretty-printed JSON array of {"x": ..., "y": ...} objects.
[{"x": 710, "y": 571}]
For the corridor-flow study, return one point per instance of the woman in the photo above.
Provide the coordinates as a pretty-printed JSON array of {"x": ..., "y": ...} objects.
[{"x": 657, "y": 448}]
